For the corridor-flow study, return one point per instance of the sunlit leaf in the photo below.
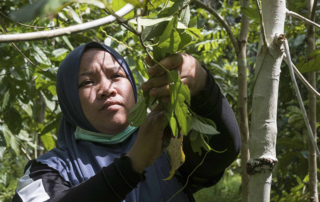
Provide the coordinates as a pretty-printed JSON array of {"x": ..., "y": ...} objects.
[
  {"x": 185, "y": 16},
  {"x": 118, "y": 4},
  {"x": 5, "y": 101},
  {"x": 48, "y": 141},
  {"x": 250, "y": 12},
  {"x": 194, "y": 31}
]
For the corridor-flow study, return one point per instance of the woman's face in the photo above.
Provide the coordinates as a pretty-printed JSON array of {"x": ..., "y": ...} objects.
[{"x": 105, "y": 92}]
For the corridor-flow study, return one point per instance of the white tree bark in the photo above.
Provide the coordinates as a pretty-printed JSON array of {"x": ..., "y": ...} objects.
[
  {"x": 263, "y": 131},
  {"x": 242, "y": 101},
  {"x": 313, "y": 182},
  {"x": 65, "y": 31}
]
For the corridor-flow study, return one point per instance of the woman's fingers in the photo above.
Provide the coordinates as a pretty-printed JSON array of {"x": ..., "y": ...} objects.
[
  {"x": 162, "y": 91},
  {"x": 171, "y": 62},
  {"x": 155, "y": 82}
]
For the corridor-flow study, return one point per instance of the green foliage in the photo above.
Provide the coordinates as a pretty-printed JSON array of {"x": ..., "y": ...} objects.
[
  {"x": 250, "y": 12},
  {"x": 310, "y": 63}
]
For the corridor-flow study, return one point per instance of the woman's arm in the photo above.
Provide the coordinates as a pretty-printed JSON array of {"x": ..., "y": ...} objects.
[{"x": 112, "y": 184}]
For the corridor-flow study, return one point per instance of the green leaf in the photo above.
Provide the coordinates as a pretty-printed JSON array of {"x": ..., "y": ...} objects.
[
  {"x": 59, "y": 54},
  {"x": 153, "y": 31},
  {"x": 194, "y": 31},
  {"x": 156, "y": 21},
  {"x": 193, "y": 22},
  {"x": 75, "y": 16},
  {"x": 250, "y": 12},
  {"x": 96, "y": 3},
  {"x": 118, "y": 4},
  {"x": 2, "y": 150},
  {"x": 168, "y": 31},
  {"x": 13, "y": 120},
  {"x": 141, "y": 69},
  {"x": 30, "y": 11},
  {"x": 194, "y": 135},
  {"x": 185, "y": 16},
  {"x": 136, "y": 3},
  {"x": 11, "y": 140},
  {"x": 5, "y": 101},
  {"x": 290, "y": 143},
  {"x": 54, "y": 124},
  {"x": 173, "y": 126},
  {"x": 294, "y": 110},
  {"x": 66, "y": 40},
  {"x": 175, "y": 7},
  {"x": 310, "y": 63},
  {"x": 50, "y": 104},
  {"x": 27, "y": 108},
  {"x": 186, "y": 39},
  {"x": 156, "y": 3},
  {"x": 199, "y": 142},
  {"x": 41, "y": 57},
  {"x": 171, "y": 45},
  {"x": 138, "y": 113},
  {"x": 203, "y": 127},
  {"x": 48, "y": 141}
]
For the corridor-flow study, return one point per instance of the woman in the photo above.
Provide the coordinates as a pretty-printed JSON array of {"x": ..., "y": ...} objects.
[{"x": 101, "y": 157}]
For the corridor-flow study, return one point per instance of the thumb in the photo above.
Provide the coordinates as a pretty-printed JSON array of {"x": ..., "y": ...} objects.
[{"x": 149, "y": 61}]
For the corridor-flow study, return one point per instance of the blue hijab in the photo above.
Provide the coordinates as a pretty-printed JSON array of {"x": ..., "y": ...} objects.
[{"x": 78, "y": 160}]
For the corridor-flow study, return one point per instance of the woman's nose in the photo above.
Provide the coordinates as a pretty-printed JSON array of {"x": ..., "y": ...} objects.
[{"x": 106, "y": 89}]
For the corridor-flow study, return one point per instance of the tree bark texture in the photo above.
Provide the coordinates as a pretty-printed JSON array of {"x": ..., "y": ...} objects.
[
  {"x": 263, "y": 131},
  {"x": 242, "y": 101},
  {"x": 312, "y": 115}
]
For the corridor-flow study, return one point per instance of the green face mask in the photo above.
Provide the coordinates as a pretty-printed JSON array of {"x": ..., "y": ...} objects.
[{"x": 81, "y": 134}]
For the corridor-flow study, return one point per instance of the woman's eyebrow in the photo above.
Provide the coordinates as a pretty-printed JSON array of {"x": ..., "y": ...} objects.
[{"x": 87, "y": 73}]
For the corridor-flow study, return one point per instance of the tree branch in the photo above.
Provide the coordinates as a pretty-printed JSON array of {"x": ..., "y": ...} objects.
[
  {"x": 262, "y": 24},
  {"x": 314, "y": 8},
  {"x": 314, "y": 142},
  {"x": 64, "y": 31},
  {"x": 306, "y": 20},
  {"x": 222, "y": 21},
  {"x": 304, "y": 81}
]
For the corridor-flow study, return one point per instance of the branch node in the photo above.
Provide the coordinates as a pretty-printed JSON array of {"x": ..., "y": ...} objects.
[{"x": 260, "y": 165}]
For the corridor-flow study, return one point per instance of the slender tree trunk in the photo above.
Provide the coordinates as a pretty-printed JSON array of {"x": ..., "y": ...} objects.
[
  {"x": 242, "y": 101},
  {"x": 263, "y": 131},
  {"x": 312, "y": 116}
]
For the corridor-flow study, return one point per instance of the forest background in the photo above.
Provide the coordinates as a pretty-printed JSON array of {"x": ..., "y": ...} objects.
[{"x": 29, "y": 112}]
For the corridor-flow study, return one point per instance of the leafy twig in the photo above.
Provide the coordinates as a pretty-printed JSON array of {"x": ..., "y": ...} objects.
[
  {"x": 25, "y": 152},
  {"x": 65, "y": 31},
  {"x": 120, "y": 42},
  {"x": 314, "y": 143},
  {"x": 306, "y": 20},
  {"x": 189, "y": 177},
  {"x": 233, "y": 39},
  {"x": 262, "y": 24},
  {"x": 304, "y": 81}
]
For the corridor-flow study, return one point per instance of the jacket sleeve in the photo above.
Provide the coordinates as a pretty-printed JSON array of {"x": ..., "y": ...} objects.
[
  {"x": 210, "y": 103},
  {"x": 112, "y": 184}
]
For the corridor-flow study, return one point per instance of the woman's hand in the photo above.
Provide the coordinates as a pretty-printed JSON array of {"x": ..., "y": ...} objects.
[
  {"x": 147, "y": 147},
  {"x": 191, "y": 73}
]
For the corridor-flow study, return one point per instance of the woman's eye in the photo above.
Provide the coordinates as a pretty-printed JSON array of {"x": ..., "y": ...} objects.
[
  {"x": 85, "y": 83},
  {"x": 117, "y": 76}
]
